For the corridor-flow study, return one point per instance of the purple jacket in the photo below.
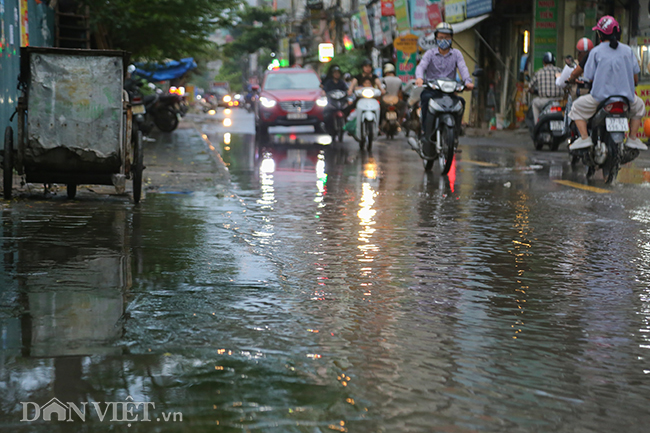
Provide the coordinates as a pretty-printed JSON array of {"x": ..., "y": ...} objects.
[{"x": 434, "y": 65}]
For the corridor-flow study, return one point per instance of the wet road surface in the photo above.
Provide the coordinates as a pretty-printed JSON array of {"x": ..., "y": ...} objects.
[{"x": 335, "y": 290}]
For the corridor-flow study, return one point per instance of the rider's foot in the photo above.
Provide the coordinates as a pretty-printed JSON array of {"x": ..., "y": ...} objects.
[
  {"x": 581, "y": 143},
  {"x": 635, "y": 143}
]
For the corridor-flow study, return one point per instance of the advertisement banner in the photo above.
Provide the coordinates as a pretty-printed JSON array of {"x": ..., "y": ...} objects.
[
  {"x": 387, "y": 8},
  {"x": 24, "y": 24},
  {"x": 365, "y": 22},
  {"x": 387, "y": 30},
  {"x": 419, "y": 16},
  {"x": 376, "y": 25},
  {"x": 455, "y": 11},
  {"x": 478, "y": 7},
  {"x": 545, "y": 36},
  {"x": 402, "y": 15},
  {"x": 358, "y": 36},
  {"x": 434, "y": 14},
  {"x": 406, "y": 66}
]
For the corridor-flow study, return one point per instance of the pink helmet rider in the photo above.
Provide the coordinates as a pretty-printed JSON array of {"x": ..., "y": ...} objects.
[
  {"x": 607, "y": 24},
  {"x": 584, "y": 45}
]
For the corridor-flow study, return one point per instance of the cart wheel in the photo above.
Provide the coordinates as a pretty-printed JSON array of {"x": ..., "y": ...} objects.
[
  {"x": 138, "y": 166},
  {"x": 72, "y": 190},
  {"x": 8, "y": 164}
]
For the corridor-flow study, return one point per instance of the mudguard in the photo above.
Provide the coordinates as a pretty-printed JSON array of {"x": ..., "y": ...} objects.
[
  {"x": 369, "y": 116},
  {"x": 447, "y": 119}
]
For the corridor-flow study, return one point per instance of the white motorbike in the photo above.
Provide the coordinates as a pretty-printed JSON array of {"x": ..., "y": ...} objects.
[{"x": 368, "y": 112}]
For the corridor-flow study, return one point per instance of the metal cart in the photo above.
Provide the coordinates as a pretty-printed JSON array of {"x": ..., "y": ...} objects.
[{"x": 74, "y": 122}]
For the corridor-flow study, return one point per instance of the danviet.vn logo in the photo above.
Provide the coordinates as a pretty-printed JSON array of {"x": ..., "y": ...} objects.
[{"x": 111, "y": 411}]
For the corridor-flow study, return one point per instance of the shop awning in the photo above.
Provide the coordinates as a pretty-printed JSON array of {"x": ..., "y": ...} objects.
[
  {"x": 167, "y": 71},
  {"x": 429, "y": 41}
]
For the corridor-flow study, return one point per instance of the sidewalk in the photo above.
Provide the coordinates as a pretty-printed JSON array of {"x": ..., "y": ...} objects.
[{"x": 174, "y": 162}]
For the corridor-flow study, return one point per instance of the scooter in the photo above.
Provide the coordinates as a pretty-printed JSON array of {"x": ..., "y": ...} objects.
[
  {"x": 411, "y": 120},
  {"x": 442, "y": 127},
  {"x": 608, "y": 127},
  {"x": 390, "y": 122},
  {"x": 367, "y": 112},
  {"x": 550, "y": 128},
  {"x": 337, "y": 102}
]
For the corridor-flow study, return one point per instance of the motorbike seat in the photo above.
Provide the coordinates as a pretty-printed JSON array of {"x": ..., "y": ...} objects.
[
  {"x": 149, "y": 99},
  {"x": 391, "y": 99}
]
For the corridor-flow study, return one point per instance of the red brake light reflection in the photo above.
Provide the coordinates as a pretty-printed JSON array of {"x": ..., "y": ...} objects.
[{"x": 616, "y": 107}]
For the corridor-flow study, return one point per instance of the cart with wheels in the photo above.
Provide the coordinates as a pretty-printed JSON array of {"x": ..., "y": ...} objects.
[{"x": 74, "y": 122}]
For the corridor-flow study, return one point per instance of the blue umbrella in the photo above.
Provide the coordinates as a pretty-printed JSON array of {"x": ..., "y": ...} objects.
[{"x": 167, "y": 71}]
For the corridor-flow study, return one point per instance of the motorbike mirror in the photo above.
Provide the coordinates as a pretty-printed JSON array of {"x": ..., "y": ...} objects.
[{"x": 478, "y": 72}]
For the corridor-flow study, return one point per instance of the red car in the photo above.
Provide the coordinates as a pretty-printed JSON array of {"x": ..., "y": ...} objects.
[{"x": 290, "y": 97}]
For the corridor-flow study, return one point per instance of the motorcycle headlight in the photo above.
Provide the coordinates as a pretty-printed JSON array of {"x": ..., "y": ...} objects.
[
  {"x": 337, "y": 94},
  {"x": 322, "y": 101},
  {"x": 267, "y": 102},
  {"x": 368, "y": 93},
  {"x": 227, "y": 98},
  {"x": 447, "y": 86}
]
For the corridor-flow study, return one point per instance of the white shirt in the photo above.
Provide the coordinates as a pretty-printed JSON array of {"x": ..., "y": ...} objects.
[{"x": 564, "y": 76}]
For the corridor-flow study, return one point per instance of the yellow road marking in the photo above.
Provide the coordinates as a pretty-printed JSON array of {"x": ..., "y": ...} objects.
[
  {"x": 481, "y": 163},
  {"x": 581, "y": 186}
]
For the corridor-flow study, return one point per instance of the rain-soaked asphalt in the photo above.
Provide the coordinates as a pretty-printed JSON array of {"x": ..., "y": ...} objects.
[{"x": 336, "y": 290}]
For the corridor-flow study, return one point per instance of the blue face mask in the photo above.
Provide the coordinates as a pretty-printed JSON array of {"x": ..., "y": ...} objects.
[{"x": 444, "y": 44}]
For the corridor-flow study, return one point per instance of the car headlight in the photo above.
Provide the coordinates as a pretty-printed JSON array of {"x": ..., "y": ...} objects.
[
  {"x": 227, "y": 98},
  {"x": 322, "y": 101},
  {"x": 368, "y": 93},
  {"x": 267, "y": 102}
]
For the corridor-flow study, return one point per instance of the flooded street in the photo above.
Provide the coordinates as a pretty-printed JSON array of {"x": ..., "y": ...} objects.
[{"x": 336, "y": 290}]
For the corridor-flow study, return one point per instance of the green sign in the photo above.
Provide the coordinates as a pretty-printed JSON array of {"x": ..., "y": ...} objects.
[
  {"x": 402, "y": 15},
  {"x": 405, "y": 66},
  {"x": 545, "y": 35}
]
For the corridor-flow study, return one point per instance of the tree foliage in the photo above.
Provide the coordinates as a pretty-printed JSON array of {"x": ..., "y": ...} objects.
[{"x": 159, "y": 29}]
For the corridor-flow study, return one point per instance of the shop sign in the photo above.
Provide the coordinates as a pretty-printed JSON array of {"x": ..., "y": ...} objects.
[
  {"x": 407, "y": 44},
  {"x": 363, "y": 13},
  {"x": 434, "y": 14},
  {"x": 406, "y": 66},
  {"x": 455, "y": 11},
  {"x": 419, "y": 17},
  {"x": 402, "y": 15},
  {"x": 24, "y": 24},
  {"x": 478, "y": 7},
  {"x": 358, "y": 35},
  {"x": 387, "y": 8},
  {"x": 545, "y": 30}
]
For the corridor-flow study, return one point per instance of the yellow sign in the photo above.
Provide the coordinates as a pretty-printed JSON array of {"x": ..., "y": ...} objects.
[
  {"x": 643, "y": 91},
  {"x": 455, "y": 11},
  {"x": 407, "y": 44}
]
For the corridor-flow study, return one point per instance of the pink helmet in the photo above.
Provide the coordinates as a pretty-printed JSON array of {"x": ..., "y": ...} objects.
[
  {"x": 607, "y": 24},
  {"x": 584, "y": 45}
]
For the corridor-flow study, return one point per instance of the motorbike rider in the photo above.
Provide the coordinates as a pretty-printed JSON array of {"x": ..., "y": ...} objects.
[
  {"x": 366, "y": 68},
  {"x": 334, "y": 82},
  {"x": 613, "y": 69},
  {"x": 571, "y": 74},
  {"x": 393, "y": 87},
  {"x": 544, "y": 82},
  {"x": 441, "y": 61}
]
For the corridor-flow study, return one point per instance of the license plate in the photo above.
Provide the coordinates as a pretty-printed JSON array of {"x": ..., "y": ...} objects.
[
  {"x": 616, "y": 124},
  {"x": 296, "y": 116},
  {"x": 391, "y": 115},
  {"x": 138, "y": 109},
  {"x": 556, "y": 125}
]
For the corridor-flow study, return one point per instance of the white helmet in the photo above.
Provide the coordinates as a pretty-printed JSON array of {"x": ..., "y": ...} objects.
[{"x": 388, "y": 68}]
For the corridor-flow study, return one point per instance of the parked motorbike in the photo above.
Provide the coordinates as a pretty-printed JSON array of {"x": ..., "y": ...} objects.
[
  {"x": 367, "y": 113},
  {"x": 390, "y": 123},
  {"x": 161, "y": 110},
  {"x": 608, "y": 127},
  {"x": 550, "y": 128},
  {"x": 337, "y": 102},
  {"x": 441, "y": 129}
]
